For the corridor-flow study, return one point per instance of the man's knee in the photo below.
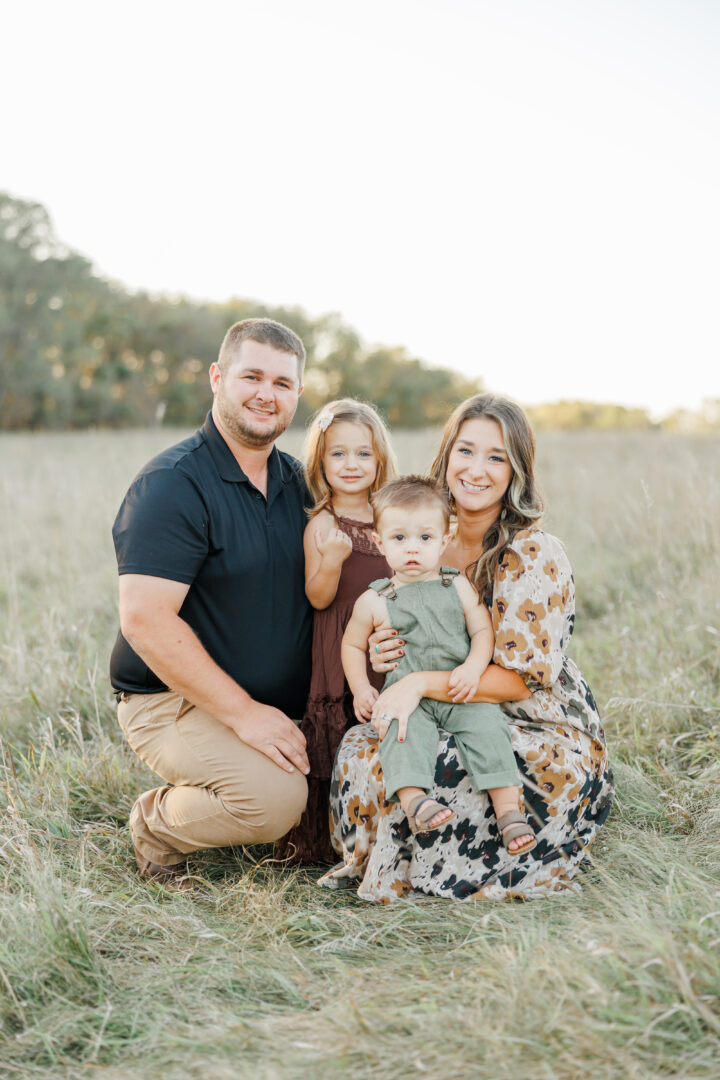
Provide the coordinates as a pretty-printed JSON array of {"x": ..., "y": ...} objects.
[
  {"x": 277, "y": 804},
  {"x": 287, "y": 811}
]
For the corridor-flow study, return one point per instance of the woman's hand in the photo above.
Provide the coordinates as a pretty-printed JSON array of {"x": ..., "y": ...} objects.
[
  {"x": 385, "y": 647},
  {"x": 397, "y": 702}
]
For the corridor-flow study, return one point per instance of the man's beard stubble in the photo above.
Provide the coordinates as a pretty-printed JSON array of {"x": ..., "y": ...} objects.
[{"x": 241, "y": 431}]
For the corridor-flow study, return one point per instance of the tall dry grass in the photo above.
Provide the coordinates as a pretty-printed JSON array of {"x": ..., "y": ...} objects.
[{"x": 255, "y": 972}]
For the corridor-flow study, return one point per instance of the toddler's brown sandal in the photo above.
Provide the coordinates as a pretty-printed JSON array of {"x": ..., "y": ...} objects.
[
  {"x": 419, "y": 821},
  {"x": 512, "y": 825}
]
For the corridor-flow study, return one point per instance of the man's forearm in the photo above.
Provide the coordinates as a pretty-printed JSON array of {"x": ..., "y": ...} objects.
[
  {"x": 496, "y": 685},
  {"x": 170, "y": 648}
]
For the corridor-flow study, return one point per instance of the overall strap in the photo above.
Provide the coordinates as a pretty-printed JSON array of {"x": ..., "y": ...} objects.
[
  {"x": 384, "y": 587},
  {"x": 447, "y": 573}
]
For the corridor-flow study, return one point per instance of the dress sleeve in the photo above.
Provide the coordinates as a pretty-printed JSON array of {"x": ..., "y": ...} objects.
[
  {"x": 162, "y": 527},
  {"x": 533, "y": 608}
]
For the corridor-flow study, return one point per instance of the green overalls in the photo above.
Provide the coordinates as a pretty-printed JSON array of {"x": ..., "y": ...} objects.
[{"x": 429, "y": 616}]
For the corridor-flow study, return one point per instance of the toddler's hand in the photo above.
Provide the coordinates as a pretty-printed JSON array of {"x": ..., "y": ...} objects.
[
  {"x": 363, "y": 703},
  {"x": 336, "y": 546},
  {"x": 464, "y": 681}
]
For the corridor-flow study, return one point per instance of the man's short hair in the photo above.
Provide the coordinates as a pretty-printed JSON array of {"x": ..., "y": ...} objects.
[
  {"x": 266, "y": 332},
  {"x": 408, "y": 492}
]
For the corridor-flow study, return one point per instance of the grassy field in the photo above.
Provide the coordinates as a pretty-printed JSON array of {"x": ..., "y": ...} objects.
[{"x": 255, "y": 971}]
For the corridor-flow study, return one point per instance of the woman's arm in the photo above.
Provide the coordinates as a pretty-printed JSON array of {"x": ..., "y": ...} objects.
[
  {"x": 400, "y": 699},
  {"x": 496, "y": 684}
]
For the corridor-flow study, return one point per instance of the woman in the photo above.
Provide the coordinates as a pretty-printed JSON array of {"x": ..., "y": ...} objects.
[{"x": 485, "y": 462}]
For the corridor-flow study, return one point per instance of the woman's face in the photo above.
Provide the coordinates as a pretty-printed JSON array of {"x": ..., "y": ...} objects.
[{"x": 479, "y": 470}]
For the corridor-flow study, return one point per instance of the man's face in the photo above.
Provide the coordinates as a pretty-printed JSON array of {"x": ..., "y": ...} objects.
[{"x": 256, "y": 398}]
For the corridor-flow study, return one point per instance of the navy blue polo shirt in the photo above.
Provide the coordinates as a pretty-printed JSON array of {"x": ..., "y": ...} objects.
[{"x": 192, "y": 515}]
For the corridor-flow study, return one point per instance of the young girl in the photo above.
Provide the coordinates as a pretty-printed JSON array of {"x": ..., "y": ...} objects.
[{"x": 348, "y": 457}]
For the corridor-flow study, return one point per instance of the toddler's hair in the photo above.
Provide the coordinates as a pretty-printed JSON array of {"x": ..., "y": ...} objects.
[
  {"x": 410, "y": 491},
  {"x": 353, "y": 412}
]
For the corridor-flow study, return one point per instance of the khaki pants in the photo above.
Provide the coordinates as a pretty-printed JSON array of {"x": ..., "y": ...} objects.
[{"x": 219, "y": 790}]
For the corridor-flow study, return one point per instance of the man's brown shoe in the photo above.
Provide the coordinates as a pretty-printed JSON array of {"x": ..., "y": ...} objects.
[{"x": 152, "y": 871}]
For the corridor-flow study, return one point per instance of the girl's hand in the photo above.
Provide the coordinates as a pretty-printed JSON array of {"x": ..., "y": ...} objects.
[
  {"x": 397, "y": 702},
  {"x": 335, "y": 547},
  {"x": 384, "y": 648},
  {"x": 363, "y": 703},
  {"x": 464, "y": 681}
]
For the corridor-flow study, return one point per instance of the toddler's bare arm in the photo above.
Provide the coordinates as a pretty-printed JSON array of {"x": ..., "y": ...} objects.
[{"x": 353, "y": 653}]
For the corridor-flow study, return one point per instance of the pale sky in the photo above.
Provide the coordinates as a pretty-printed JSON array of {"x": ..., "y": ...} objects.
[{"x": 525, "y": 190}]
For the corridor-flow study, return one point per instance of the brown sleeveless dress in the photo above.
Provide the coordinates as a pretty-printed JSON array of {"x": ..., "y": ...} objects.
[{"x": 329, "y": 712}]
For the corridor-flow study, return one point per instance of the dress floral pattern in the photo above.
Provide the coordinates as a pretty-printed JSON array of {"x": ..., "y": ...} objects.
[{"x": 559, "y": 747}]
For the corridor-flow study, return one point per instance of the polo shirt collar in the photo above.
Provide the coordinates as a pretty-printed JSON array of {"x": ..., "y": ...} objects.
[{"x": 225, "y": 463}]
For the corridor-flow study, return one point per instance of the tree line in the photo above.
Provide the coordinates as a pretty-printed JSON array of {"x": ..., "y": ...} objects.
[
  {"x": 595, "y": 416},
  {"x": 78, "y": 350}
]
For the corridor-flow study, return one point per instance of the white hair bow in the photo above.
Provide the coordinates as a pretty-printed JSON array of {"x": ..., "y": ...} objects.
[{"x": 325, "y": 419}]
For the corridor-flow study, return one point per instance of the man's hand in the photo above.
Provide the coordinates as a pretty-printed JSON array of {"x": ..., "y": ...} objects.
[
  {"x": 335, "y": 547},
  {"x": 463, "y": 682},
  {"x": 363, "y": 703},
  {"x": 149, "y": 619},
  {"x": 275, "y": 735}
]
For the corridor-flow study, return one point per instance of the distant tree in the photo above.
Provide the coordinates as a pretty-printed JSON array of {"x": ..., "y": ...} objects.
[
  {"x": 702, "y": 421},
  {"x": 40, "y": 286}
]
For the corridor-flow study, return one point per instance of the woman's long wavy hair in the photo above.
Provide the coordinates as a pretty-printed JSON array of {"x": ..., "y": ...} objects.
[
  {"x": 354, "y": 412},
  {"x": 522, "y": 503}
]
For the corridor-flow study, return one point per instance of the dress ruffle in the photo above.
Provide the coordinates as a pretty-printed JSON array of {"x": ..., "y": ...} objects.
[{"x": 324, "y": 725}]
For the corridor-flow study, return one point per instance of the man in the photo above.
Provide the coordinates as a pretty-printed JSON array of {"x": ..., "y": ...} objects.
[{"x": 212, "y": 662}]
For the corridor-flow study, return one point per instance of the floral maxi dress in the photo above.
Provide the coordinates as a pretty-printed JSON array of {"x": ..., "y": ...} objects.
[{"x": 559, "y": 747}]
